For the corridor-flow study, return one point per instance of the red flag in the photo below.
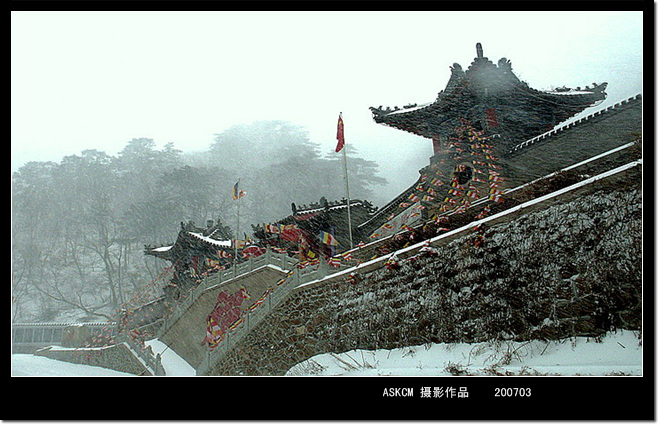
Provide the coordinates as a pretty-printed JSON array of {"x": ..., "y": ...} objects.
[
  {"x": 340, "y": 135},
  {"x": 291, "y": 233}
]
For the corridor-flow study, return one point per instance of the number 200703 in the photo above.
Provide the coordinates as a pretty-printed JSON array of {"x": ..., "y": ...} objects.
[{"x": 512, "y": 392}]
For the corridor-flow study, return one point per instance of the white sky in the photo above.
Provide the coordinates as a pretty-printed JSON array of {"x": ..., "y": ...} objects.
[{"x": 95, "y": 80}]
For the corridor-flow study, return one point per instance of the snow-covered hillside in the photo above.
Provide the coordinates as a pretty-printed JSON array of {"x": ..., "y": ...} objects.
[
  {"x": 40, "y": 366},
  {"x": 616, "y": 354}
]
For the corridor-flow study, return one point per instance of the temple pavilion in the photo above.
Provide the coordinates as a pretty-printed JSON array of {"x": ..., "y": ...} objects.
[
  {"x": 302, "y": 231},
  {"x": 492, "y": 98},
  {"x": 196, "y": 250},
  {"x": 483, "y": 112}
]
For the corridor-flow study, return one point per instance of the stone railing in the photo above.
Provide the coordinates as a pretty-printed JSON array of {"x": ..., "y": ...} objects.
[
  {"x": 282, "y": 261},
  {"x": 144, "y": 353}
]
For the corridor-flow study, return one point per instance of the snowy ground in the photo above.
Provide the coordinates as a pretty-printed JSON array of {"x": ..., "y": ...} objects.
[
  {"x": 172, "y": 363},
  {"x": 616, "y": 354},
  {"x": 40, "y": 366},
  {"x": 30, "y": 365}
]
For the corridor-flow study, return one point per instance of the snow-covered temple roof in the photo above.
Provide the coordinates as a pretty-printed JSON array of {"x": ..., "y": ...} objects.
[
  {"x": 492, "y": 95},
  {"x": 192, "y": 238}
]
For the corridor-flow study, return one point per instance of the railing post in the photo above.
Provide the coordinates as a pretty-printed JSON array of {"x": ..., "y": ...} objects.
[
  {"x": 322, "y": 269},
  {"x": 159, "y": 369}
]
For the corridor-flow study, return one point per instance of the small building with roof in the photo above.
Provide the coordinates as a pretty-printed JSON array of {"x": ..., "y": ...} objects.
[{"x": 196, "y": 251}]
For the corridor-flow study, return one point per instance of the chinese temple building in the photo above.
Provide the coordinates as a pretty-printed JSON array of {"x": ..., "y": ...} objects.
[
  {"x": 475, "y": 124},
  {"x": 196, "y": 250},
  {"x": 319, "y": 228},
  {"x": 314, "y": 231},
  {"x": 493, "y": 99}
]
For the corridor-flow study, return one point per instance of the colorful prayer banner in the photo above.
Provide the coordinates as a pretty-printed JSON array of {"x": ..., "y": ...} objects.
[
  {"x": 327, "y": 238},
  {"x": 237, "y": 193}
]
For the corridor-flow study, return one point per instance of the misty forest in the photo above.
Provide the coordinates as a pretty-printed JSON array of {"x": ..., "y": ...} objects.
[{"x": 79, "y": 226}]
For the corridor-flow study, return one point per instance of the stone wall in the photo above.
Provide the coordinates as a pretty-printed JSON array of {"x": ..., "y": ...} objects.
[
  {"x": 116, "y": 357},
  {"x": 572, "y": 269}
]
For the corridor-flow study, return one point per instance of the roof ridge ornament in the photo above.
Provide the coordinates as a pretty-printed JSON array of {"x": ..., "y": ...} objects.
[{"x": 483, "y": 84}]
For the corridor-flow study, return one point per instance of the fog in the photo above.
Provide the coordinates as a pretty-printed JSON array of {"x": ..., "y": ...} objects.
[
  {"x": 96, "y": 80},
  {"x": 129, "y": 131}
]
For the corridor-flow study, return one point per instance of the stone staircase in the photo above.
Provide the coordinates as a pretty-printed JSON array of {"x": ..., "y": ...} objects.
[{"x": 272, "y": 274}]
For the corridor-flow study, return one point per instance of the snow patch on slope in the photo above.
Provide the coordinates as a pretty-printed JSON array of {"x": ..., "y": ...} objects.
[{"x": 617, "y": 353}]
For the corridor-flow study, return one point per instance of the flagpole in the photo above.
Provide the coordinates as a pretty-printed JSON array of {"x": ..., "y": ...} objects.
[
  {"x": 237, "y": 229},
  {"x": 347, "y": 192},
  {"x": 333, "y": 234}
]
